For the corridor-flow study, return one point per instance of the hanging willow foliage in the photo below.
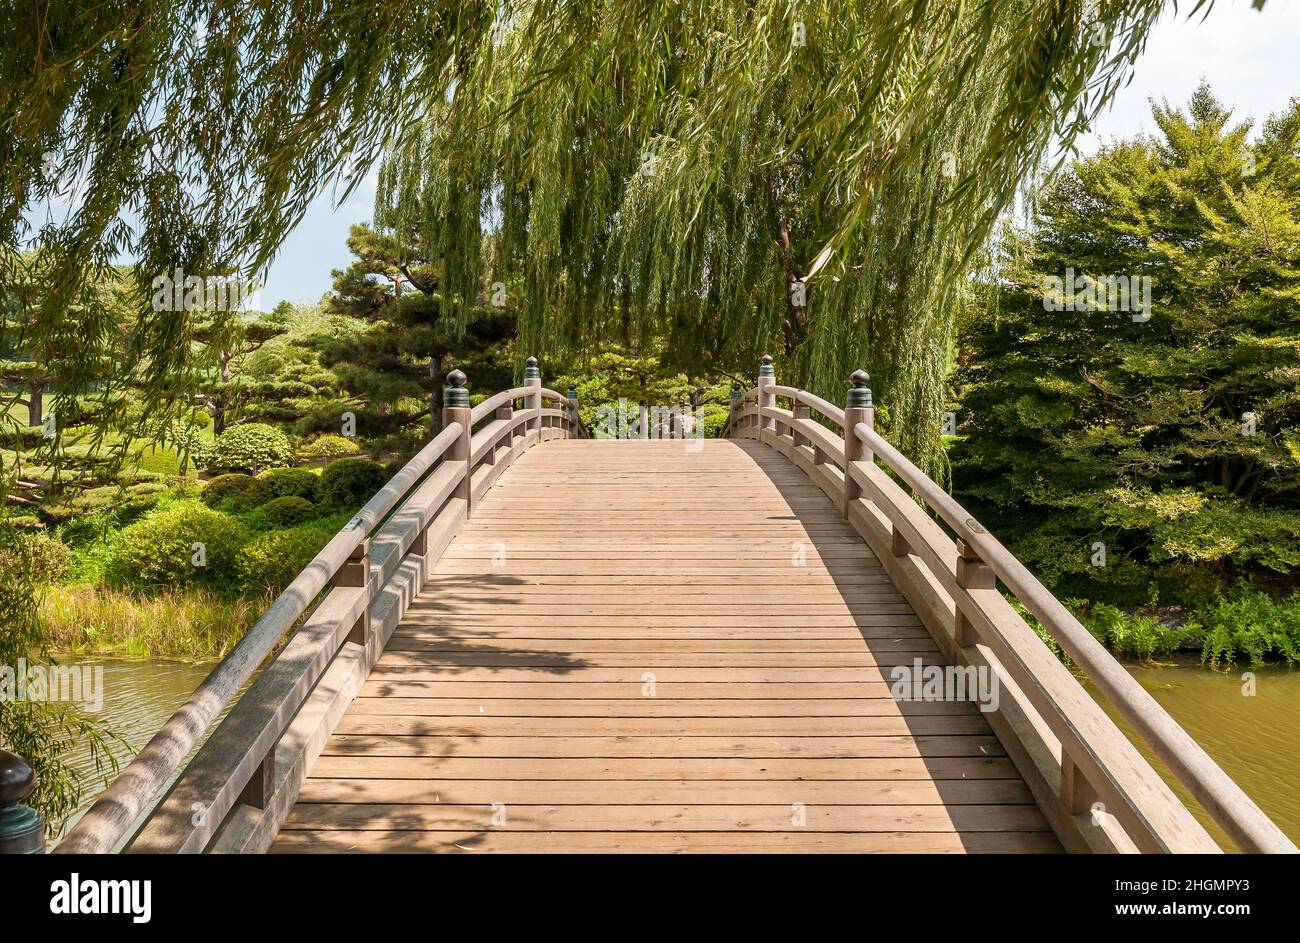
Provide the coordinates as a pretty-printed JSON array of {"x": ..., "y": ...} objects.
[
  {"x": 680, "y": 166},
  {"x": 806, "y": 178}
]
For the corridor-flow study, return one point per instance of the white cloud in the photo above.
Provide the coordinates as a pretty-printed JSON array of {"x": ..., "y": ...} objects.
[{"x": 1249, "y": 57}]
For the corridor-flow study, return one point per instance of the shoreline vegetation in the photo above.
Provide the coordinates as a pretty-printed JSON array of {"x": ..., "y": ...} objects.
[{"x": 194, "y": 625}]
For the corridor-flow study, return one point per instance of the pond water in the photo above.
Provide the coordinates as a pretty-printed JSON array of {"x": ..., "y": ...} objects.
[
  {"x": 139, "y": 696},
  {"x": 1256, "y": 739}
]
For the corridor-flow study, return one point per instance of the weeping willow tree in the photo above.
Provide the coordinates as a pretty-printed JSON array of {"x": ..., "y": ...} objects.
[
  {"x": 806, "y": 179},
  {"x": 810, "y": 177}
]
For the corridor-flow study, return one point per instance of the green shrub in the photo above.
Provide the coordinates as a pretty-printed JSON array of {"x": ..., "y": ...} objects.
[
  {"x": 43, "y": 557},
  {"x": 330, "y": 446},
  {"x": 159, "y": 550},
  {"x": 288, "y": 510},
  {"x": 271, "y": 562},
  {"x": 714, "y": 418},
  {"x": 1135, "y": 635},
  {"x": 290, "y": 482},
  {"x": 1251, "y": 623},
  {"x": 250, "y": 448},
  {"x": 239, "y": 490},
  {"x": 350, "y": 482}
]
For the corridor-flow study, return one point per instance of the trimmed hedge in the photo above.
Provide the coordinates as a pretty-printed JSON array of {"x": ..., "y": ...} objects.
[
  {"x": 240, "y": 490},
  {"x": 330, "y": 446},
  {"x": 159, "y": 551},
  {"x": 350, "y": 482},
  {"x": 250, "y": 448},
  {"x": 288, "y": 510},
  {"x": 272, "y": 561},
  {"x": 290, "y": 482},
  {"x": 42, "y": 557}
]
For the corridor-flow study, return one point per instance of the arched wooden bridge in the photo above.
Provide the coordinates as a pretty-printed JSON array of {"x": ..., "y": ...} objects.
[{"x": 664, "y": 645}]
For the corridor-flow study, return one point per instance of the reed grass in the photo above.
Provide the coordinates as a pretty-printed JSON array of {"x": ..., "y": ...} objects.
[{"x": 193, "y": 623}]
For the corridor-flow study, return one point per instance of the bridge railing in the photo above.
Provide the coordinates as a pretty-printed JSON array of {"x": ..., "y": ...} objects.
[
  {"x": 1096, "y": 789},
  {"x": 234, "y": 793}
]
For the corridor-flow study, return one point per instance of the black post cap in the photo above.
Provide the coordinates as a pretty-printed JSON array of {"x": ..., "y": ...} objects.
[
  {"x": 21, "y": 829},
  {"x": 456, "y": 395},
  {"x": 17, "y": 778},
  {"x": 859, "y": 394},
  {"x": 530, "y": 369},
  {"x": 765, "y": 367}
]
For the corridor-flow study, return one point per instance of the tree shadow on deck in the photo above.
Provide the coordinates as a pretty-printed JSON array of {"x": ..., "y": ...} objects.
[
  {"x": 955, "y": 743},
  {"x": 372, "y": 807}
]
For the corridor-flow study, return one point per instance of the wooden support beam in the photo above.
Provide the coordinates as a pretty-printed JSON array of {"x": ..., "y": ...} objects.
[
  {"x": 261, "y": 787},
  {"x": 1077, "y": 793},
  {"x": 972, "y": 573},
  {"x": 355, "y": 571},
  {"x": 801, "y": 412}
]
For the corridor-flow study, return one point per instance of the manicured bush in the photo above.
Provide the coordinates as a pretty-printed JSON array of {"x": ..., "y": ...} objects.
[
  {"x": 235, "y": 490},
  {"x": 350, "y": 482},
  {"x": 159, "y": 550},
  {"x": 288, "y": 510},
  {"x": 250, "y": 448},
  {"x": 290, "y": 482},
  {"x": 330, "y": 446},
  {"x": 270, "y": 562},
  {"x": 714, "y": 418}
]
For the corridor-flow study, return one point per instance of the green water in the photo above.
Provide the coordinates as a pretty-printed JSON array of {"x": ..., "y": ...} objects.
[
  {"x": 1254, "y": 738},
  {"x": 139, "y": 696}
]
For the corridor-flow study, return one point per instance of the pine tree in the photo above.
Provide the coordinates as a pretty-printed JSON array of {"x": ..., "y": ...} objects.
[
  {"x": 404, "y": 353},
  {"x": 1174, "y": 441}
]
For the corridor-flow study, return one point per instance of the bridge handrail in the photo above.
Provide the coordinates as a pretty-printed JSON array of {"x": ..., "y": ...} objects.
[
  {"x": 1226, "y": 802},
  {"x": 496, "y": 401},
  {"x": 117, "y": 810},
  {"x": 804, "y": 398},
  {"x": 130, "y": 793},
  {"x": 977, "y": 603},
  {"x": 507, "y": 397}
]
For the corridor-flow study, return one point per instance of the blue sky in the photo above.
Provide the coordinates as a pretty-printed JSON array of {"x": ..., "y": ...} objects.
[{"x": 1249, "y": 56}]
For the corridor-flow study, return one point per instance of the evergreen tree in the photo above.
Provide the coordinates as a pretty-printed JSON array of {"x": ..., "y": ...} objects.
[
  {"x": 226, "y": 338},
  {"x": 403, "y": 354},
  {"x": 1174, "y": 441}
]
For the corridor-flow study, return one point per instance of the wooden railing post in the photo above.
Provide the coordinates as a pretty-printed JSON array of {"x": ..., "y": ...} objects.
[
  {"x": 766, "y": 398},
  {"x": 508, "y": 412},
  {"x": 800, "y": 411},
  {"x": 533, "y": 401},
  {"x": 1077, "y": 794},
  {"x": 260, "y": 788},
  {"x": 972, "y": 573},
  {"x": 572, "y": 402},
  {"x": 355, "y": 571},
  {"x": 22, "y": 832},
  {"x": 455, "y": 408},
  {"x": 857, "y": 409}
]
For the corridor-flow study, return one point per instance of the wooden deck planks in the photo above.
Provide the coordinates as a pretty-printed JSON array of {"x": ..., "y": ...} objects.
[{"x": 647, "y": 646}]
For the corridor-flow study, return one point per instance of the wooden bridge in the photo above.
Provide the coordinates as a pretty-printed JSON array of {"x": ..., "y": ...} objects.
[{"x": 737, "y": 644}]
